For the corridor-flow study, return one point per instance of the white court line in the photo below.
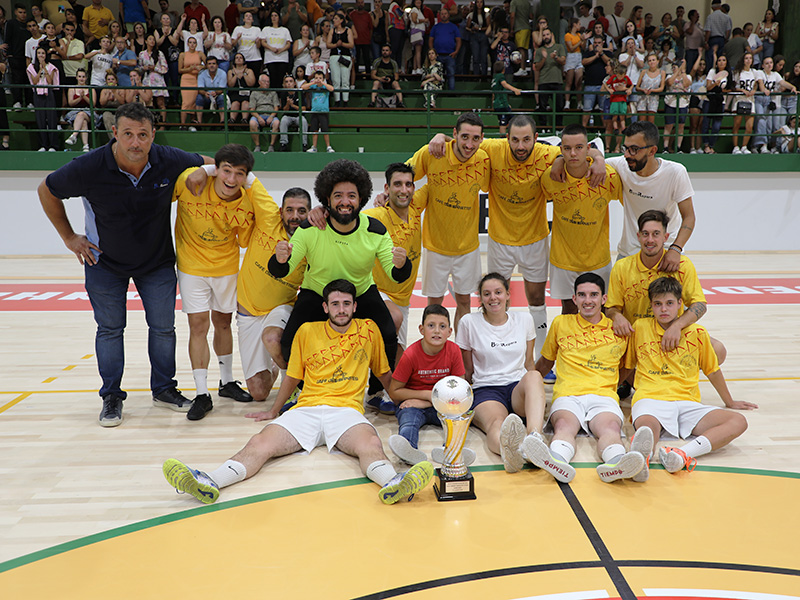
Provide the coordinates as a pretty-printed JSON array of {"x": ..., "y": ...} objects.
[{"x": 715, "y": 594}]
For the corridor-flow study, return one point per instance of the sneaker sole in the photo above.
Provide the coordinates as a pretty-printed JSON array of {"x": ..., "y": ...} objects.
[
  {"x": 512, "y": 432},
  {"x": 628, "y": 466},
  {"x": 467, "y": 455},
  {"x": 109, "y": 422},
  {"x": 405, "y": 451},
  {"x": 414, "y": 480},
  {"x": 194, "y": 415},
  {"x": 183, "y": 408},
  {"x": 667, "y": 462},
  {"x": 180, "y": 477},
  {"x": 642, "y": 443},
  {"x": 539, "y": 454}
]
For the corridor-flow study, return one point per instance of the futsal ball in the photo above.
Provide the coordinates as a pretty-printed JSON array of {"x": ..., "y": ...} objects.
[
  {"x": 516, "y": 57},
  {"x": 452, "y": 396}
]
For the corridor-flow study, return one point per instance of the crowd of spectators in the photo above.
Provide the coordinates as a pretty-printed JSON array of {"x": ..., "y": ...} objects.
[{"x": 589, "y": 61}]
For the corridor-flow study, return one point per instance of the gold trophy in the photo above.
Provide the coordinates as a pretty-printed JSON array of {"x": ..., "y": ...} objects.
[{"x": 452, "y": 399}]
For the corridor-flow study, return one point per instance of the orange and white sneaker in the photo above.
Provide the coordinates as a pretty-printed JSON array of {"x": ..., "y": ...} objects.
[{"x": 675, "y": 459}]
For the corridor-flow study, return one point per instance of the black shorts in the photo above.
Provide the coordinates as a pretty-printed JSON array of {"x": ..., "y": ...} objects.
[
  {"x": 503, "y": 117},
  {"x": 694, "y": 102},
  {"x": 317, "y": 121}
]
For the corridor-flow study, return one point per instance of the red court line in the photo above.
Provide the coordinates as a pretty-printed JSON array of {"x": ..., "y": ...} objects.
[{"x": 31, "y": 297}]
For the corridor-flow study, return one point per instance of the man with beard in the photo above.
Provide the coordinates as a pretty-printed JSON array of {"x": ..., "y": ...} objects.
[
  {"x": 651, "y": 183},
  {"x": 333, "y": 358},
  {"x": 346, "y": 248}
]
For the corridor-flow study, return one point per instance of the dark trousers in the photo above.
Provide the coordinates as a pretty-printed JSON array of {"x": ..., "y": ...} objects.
[
  {"x": 364, "y": 57},
  {"x": 46, "y": 119},
  {"x": 19, "y": 77},
  {"x": 545, "y": 102}
]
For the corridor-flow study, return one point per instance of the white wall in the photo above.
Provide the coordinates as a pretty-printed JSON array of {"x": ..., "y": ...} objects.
[{"x": 735, "y": 211}]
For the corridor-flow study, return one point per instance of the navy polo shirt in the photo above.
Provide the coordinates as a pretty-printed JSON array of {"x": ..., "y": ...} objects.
[{"x": 128, "y": 219}]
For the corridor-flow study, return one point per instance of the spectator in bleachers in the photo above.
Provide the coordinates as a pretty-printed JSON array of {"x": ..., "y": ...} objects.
[
  {"x": 96, "y": 21},
  {"x": 37, "y": 35},
  {"x": 218, "y": 43},
  {"x": 717, "y": 29},
  {"x": 631, "y": 33},
  {"x": 573, "y": 67},
  {"x": 123, "y": 60},
  {"x": 744, "y": 81},
  {"x": 242, "y": 8},
  {"x": 82, "y": 101},
  {"x": 16, "y": 35},
  {"x": 717, "y": 82},
  {"x": 693, "y": 37},
  {"x": 247, "y": 37},
  {"x": 301, "y": 47},
  {"x": 676, "y": 105},
  {"x": 616, "y": 24},
  {"x": 132, "y": 12},
  {"x": 322, "y": 43},
  {"x": 767, "y": 31},
  {"x": 362, "y": 23},
  {"x": 680, "y": 24},
  {"x": 300, "y": 74},
  {"x": 101, "y": 61},
  {"x": 136, "y": 39},
  {"x": 666, "y": 57},
  {"x": 649, "y": 29},
  {"x": 418, "y": 27},
  {"x": 290, "y": 104},
  {"x": 72, "y": 54},
  {"x": 380, "y": 28},
  {"x": 196, "y": 10},
  {"x": 191, "y": 29},
  {"x": 38, "y": 17},
  {"x": 479, "y": 31},
  {"x": 168, "y": 41},
  {"x": 585, "y": 16},
  {"x": 536, "y": 43},
  {"x": 190, "y": 63},
  {"x": 768, "y": 105},
  {"x": 264, "y": 104},
  {"x": 666, "y": 32},
  {"x": 293, "y": 17},
  {"x": 789, "y": 101},
  {"x": 432, "y": 77},
  {"x": 502, "y": 47},
  {"x": 138, "y": 94},
  {"x": 44, "y": 80},
  {"x": 633, "y": 61},
  {"x": 594, "y": 61},
  {"x": 111, "y": 98},
  {"x": 636, "y": 17},
  {"x": 385, "y": 75},
  {"x": 651, "y": 83},
  {"x": 789, "y": 132},
  {"x": 340, "y": 41},
  {"x": 736, "y": 47},
  {"x": 500, "y": 103},
  {"x": 464, "y": 56},
  {"x": 619, "y": 87},
  {"x": 71, "y": 17},
  {"x": 548, "y": 62},
  {"x": 699, "y": 74},
  {"x": 153, "y": 64},
  {"x": 754, "y": 43},
  {"x": 598, "y": 31},
  {"x": 55, "y": 12},
  {"x": 520, "y": 25},
  {"x": 499, "y": 17},
  {"x": 173, "y": 16},
  {"x": 52, "y": 44},
  {"x": 240, "y": 79},
  {"x": 446, "y": 40},
  {"x": 317, "y": 64},
  {"x": 212, "y": 82},
  {"x": 320, "y": 92},
  {"x": 276, "y": 41},
  {"x": 397, "y": 31}
]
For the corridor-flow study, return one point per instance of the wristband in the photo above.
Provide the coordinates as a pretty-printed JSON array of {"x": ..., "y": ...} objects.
[{"x": 676, "y": 248}]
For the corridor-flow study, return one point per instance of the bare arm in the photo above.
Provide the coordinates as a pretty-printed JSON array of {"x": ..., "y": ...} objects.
[
  {"x": 544, "y": 366},
  {"x": 672, "y": 335},
  {"x": 399, "y": 393},
  {"x": 284, "y": 392},
  {"x": 469, "y": 368},
  {"x": 54, "y": 209},
  {"x": 530, "y": 364},
  {"x": 621, "y": 325},
  {"x": 671, "y": 259}
]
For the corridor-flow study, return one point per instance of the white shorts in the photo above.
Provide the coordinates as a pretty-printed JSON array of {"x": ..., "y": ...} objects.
[
  {"x": 314, "y": 426},
  {"x": 253, "y": 352},
  {"x": 465, "y": 269},
  {"x": 402, "y": 334},
  {"x": 648, "y": 103},
  {"x": 533, "y": 259},
  {"x": 562, "y": 282},
  {"x": 574, "y": 61},
  {"x": 585, "y": 408},
  {"x": 201, "y": 294},
  {"x": 678, "y": 418}
]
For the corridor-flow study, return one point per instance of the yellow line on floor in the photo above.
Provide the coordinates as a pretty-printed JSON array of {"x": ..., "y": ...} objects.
[{"x": 16, "y": 400}]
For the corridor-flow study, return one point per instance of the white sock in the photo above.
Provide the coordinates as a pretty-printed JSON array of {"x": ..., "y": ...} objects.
[
  {"x": 612, "y": 453},
  {"x": 539, "y": 314},
  {"x": 228, "y": 473},
  {"x": 563, "y": 450},
  {"x": 381, "y": 472},
  {"x": 200, "y": 380},
  {"x": 225, "y": 368},
  {"x": 697, "y": 447}
]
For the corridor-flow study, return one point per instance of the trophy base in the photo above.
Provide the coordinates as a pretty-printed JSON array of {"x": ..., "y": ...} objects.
[{"x": 454, "y": 488}]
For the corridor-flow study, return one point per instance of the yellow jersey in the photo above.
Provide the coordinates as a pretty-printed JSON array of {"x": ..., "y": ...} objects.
[
  {"x": 580, "y": 220},
  {"x": 588, "y": 356},
  {"x": 453, "y": 210},
  {"x": 335, "y": 366},
  {"x": 404, "y": 235},
  {"x": 209, "y": 230},
  {"x": 671, "y": 376},
  {"x": 257, "y": 291},
  {"x": 517, "y": 209},
  {"x": 629, "y": 280}
]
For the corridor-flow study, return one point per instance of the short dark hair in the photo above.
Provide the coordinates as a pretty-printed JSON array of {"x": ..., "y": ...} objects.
[
  {"x": 339, "y": 285},
  {"x": 317, "y": 48},
  {"x": 210, "y": 58},
  {"x": 470, "y": 118},
  {"x": 737, "y": 31},
  {"x": 397, "y": 167},
  {"x": 339, "y": 171},
  {"x": 435, "y": 309},
  {"x": 235, "y": 154},
  {"x": 658, "y": 216},
  {"x": 135, "y": 112},
  {"x": 649, "y": 130},
  {"x": 296, "y": 192},
  {"x": 591, "y": 278},
  {"x": 665, "y": 285},
  {"x": 575, "y": 129},
  {"x": 522, "y": 121}
]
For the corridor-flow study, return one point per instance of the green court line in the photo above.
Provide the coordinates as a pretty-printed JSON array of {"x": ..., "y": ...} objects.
[{"x": 207, "y": 509}]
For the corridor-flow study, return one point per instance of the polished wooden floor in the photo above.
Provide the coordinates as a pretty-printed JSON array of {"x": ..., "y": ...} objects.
[{"x": 65, "y": 478}]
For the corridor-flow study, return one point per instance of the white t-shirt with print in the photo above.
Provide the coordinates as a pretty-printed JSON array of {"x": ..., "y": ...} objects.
[
  {"x": 276, "y": 37},
  {"x": 248, "y": 42}
]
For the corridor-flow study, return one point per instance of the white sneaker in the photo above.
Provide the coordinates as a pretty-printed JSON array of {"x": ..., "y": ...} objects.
[
  {"x": 405, "y": 451},
  {"x": 736, "y": 150},
  {"x": 85, "y": 147},
  {"x": 330, "y": 149},
  {"x": 192, "y": 128},
  {"x": 71, "y": 139},
  {"x": 763, "y": 149},
  {"x": 642, "y": 443},
  {"x": 42, "y": 149},
  {"x": 521, "y": 73},
  {"x": 51, "y": 149},
  {"x": 746, "y": 150},
  {"x": 627, "y": 467},
  {"x": 17, "y": 106},
  {"x": 256, "y": 149},
  {"x": 512, "y": 432},
  {"x": 312, "y": 149},
  {"x": 30, "y": 105},
  {"x": 536, "y": 451},
  {"x": 774, "y": 150},
  {"x": 566, "y": 105}
]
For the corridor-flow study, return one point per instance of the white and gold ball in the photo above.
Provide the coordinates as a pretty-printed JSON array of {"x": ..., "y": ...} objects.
[{"x": 452, "y": 396}]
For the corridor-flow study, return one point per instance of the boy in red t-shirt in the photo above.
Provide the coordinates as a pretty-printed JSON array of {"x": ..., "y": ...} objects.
[
  {"x": 424, "y": 363},
  {"x": 619, "y": 86}
]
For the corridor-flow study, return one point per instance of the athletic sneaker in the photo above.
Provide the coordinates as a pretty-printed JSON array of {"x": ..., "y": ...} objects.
[
  {"x": 405, "y": 485},
  {"x": 173, "y": 400},
  {"x": 467, "y": 455},
  {"x": 201, "y": 406},
  {"x": 312, "y": 149},
  {"x": 763, "y": 149},
  {"x": 550, "y": 378},
  {"x": 291, "y": 402},
  {"x": 405, "y": 451},
  {"x": 382, "y": 403},
  {"x": 675, "y": 459},
  {"x": 111, "y": 415},
  {"x": 736, "y": 150},
  {"x": 233, "y": 390},
  {"x": 188, "y": 481},
  {"x": 642, "y": 443},
  {"x": 256, "y": 149},
  {"x": 746, "y": 150},
  {"x": 512, "y": 432},
  {"x": 624, "y": 390},
  {"x": 629, "y": 465},
  {"x": 330, "y": 149},
  {"x": 536, "y": 451}
]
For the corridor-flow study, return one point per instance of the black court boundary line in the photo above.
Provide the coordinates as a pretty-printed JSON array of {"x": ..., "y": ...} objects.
[{"x": 697, "y": 564}]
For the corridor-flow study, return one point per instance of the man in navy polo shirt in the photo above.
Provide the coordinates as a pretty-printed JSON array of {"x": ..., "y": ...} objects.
[
  {"x": 445, "y": 38},
  {"x": 126, "y": 187}
]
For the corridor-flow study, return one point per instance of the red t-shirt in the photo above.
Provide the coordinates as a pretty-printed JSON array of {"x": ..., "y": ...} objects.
[
  {"x": 618, "y": 96},
  {"x": 362, "y": 21},
  {"x": 421, "y": 371},
  {"x": 197, "y": 13}
]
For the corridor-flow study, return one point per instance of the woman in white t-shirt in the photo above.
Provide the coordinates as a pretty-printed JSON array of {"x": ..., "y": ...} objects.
[
  {"x": 276, "y": 41},
  {"x": 193, "y": 31},
  {"x": 497, "y": 347},
  {"x": 633, "y": 61},
  {"x": 754, "y": 42},
  {"x": 301, "y": 48},
  {"x": 768, "y": 107},
  {"x": 246, "y": 37},
  {"x": 676, "y": 105},
  {"x": 101, "y": 61},
  {"x": 219, "y": 43},
  {"x": 744, "y": 81}
]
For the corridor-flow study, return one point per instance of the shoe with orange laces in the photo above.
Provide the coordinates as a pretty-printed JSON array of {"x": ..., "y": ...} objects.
[{"x": 675, "y": 459}]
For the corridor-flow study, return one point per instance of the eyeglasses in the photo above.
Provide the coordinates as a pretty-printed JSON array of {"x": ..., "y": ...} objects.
[{"x": 635, "y": 149}]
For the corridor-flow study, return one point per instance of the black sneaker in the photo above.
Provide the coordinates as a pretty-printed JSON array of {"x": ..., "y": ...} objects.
[
  {"x": 232, "y": 390},
  {"x": 201, "y": 406},
  {"x": 400, "y": 105},
  {"x": 284, "y": 148},
  {"x": 371, "y": 105},
  {"x": 172, "y": 399},
  {"x": 624, "y": 390},
  {"x": 111, "y": 415}
]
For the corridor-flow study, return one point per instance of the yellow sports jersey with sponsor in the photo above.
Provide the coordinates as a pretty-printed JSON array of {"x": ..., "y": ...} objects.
[
  {"x": 671, "y": 376},
  {"x": 209, "y": 230},
  {"x": 335, "y": 366},
  {"x": 257, "y": 291},
  {"x": 629, "y": 280},
  {"x": 580, "y": 220},
  {"x": 404, "y": 235},
  {"x": 517, "y": 209},
  {"x": 450, "y": 226},
  {"x": 588, "y": 356}
]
